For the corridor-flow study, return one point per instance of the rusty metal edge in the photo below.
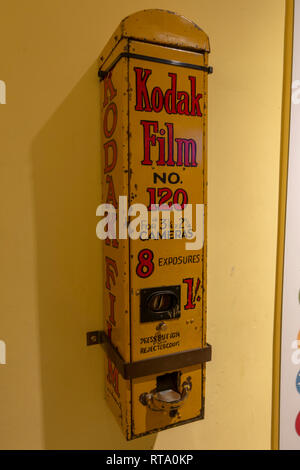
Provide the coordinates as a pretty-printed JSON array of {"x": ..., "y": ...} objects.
[{"x": 173, "y": 425}]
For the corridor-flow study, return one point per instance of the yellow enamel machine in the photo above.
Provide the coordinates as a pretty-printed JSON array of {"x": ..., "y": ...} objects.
[{"x": 153, "y": 98}]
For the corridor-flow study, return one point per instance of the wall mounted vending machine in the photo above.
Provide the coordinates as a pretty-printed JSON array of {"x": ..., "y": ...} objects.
[{"x": 153, "y": 79}]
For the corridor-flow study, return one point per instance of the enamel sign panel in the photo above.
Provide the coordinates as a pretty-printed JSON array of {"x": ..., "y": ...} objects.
[
  {"x": 154, "y": 156},
  {"x": 286, "y": 415}
]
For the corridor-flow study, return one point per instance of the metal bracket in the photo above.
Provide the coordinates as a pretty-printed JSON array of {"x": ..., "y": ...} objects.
[
  {"x": 103, "y": 73},
  {"x": 155, "y": 365},
  {"x": 94, "y": 337}
]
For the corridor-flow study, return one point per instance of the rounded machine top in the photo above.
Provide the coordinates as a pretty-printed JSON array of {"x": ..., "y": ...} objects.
[{"x": 161, "y": 27}]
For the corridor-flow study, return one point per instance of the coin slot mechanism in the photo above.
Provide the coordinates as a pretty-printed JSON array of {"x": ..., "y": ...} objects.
[{"x": 160, "y": 303}]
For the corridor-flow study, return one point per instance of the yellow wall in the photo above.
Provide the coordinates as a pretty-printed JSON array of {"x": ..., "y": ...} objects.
[{"x": 52, "y": 385}]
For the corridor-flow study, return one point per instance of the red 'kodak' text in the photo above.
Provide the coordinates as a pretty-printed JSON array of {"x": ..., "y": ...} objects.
[{"x": 173, "y": 101}]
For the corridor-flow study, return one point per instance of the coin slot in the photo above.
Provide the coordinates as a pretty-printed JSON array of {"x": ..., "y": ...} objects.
[{"x": 162, "y": 303}]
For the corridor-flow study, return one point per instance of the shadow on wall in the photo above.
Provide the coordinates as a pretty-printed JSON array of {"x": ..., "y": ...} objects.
[{"x": 67, "y": 174}]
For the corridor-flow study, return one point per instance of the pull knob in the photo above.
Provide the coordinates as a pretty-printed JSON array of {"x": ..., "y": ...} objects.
[
  {"x": 166, "y": 400},
  {"x": 162, "y": 326}
]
